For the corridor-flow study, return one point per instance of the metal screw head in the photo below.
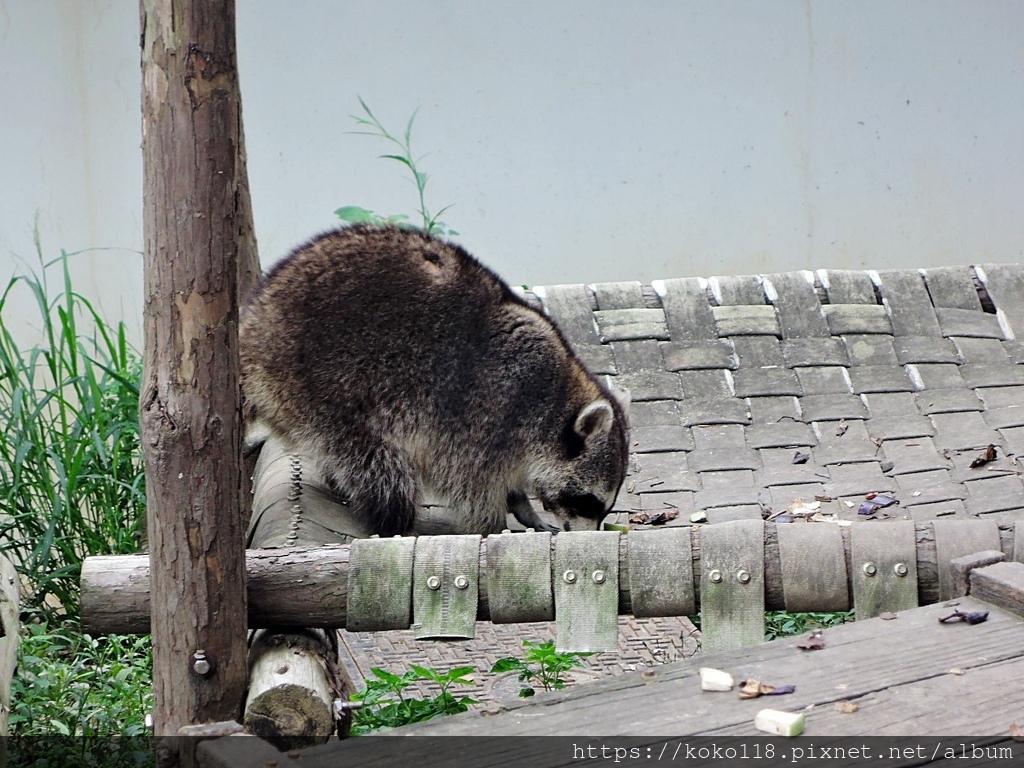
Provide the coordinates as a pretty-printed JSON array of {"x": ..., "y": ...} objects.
[
  {"x": 461, "y": 582},
  {"x": 901, "y": 569},
  {"x": 870, "y": 569},
  {"x": 742, "y": 576},
  {"x": 201, "y": 665},
  {"x": 569, "y": 577},
  {"x": 715, "y": 576},
  {"x": 599, "y": 577},
  {"x": 433, "y": 582}
]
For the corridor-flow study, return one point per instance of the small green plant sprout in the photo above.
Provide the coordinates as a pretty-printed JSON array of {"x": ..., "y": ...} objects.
[
  {"x": 386, "y": 704},
  {"x": 540, "y": 663},
  {"x": 354, "y": 214},
  {"x": 784, "y": 624},
  {"x": 78, "y": 700}
]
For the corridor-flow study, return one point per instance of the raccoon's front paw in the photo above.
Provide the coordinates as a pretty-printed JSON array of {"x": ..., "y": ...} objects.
[{"x": 523, "y": 511}]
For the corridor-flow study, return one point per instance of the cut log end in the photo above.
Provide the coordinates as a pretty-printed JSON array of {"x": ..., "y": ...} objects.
[{"x": 290, "y": 717}]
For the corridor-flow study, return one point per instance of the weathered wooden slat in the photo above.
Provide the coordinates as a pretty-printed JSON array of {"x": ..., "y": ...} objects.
[
  {"x": 732, "y": 584},
  {"x": 1001, "y": 584},
  {"x": 519, "y": 578},
  {"x": 813, "y": 568},
  {"x": 956, "y": 538},
  {"x": 586, "y": 577},
  {"x": 883, "y": 568},
  {"x": 379, "y": 594},
  {"x": 661, "y": 573},
  {"x": 964, "y": 566},
  {"x": 445, "y": 591}
]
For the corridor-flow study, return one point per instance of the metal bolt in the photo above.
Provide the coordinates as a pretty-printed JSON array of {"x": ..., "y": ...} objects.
[
  {"x": 599, "y": 577},
  {"x": 341, "y": 706},
  {"x": 870, "y": 569},
  {"x": 569, "y": 577},
  {"x": 461, "y": 582},
  {"x": 742, "y": 576},
  {"x": 901, "y": 569},
  {"x": 433, "y": 582},
  {"x": 201, "y": 665},
  {"x": 715, "y": 576}
]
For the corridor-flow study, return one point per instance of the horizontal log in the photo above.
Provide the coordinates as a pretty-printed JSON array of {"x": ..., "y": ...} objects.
[
  {"x": 300, "y": 587},
  {"x": 294, "y": 587}
]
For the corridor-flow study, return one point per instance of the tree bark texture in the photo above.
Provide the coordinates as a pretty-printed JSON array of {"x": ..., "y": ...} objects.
[{"x": 195, "y": 217}]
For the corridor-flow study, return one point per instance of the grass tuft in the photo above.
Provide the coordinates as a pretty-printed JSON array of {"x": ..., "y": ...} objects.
[{"x": 71, "y": 477}]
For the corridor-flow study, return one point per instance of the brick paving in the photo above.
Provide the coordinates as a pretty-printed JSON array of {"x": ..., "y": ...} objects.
[{"x": 642, "y": 643}]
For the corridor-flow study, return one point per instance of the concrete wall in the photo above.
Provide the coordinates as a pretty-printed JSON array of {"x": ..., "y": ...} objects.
[{"x": 579, "y": 140}]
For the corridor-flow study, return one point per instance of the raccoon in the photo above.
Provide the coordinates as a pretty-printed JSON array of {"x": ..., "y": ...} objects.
[{"x": 401, "y": 364}]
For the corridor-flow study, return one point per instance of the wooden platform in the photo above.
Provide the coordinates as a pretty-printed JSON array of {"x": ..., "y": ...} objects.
[
  {"x": 921, "y": 688},
  {"x": 909, "y": 676}
]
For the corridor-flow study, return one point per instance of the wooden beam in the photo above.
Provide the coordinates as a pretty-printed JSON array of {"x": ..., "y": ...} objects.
[
  {"x": 308, "y": 587},
  {"x": 1001, "y": 584},
  {"x": 295, "y": 587}
]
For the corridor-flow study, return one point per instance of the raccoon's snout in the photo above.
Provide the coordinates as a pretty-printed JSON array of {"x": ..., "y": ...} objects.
[{"x": 577, "y": 513}]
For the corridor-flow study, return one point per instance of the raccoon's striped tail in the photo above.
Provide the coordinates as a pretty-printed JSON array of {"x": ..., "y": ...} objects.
[{"x": 383, "y": 490}]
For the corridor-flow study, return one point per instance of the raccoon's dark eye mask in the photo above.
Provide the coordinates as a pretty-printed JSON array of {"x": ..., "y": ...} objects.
[{"x": 584, "y": 505}]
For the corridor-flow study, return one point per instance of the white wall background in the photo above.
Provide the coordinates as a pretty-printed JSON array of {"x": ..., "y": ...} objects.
[{"x": 579, "y": 140}]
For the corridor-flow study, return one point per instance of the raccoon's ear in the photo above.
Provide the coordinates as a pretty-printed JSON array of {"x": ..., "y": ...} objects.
[
  {"x": 623, "y": 397},
  {"x": 595, "y": 419}
]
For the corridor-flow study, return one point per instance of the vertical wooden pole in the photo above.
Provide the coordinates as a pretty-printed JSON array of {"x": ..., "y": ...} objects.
[{"x": 189, "y": 403}]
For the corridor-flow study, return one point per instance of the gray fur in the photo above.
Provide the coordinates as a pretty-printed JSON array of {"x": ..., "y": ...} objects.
[{"x": 400, "y": 363}]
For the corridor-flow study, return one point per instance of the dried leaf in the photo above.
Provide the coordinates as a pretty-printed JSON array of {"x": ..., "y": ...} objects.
[
  {"x": 866, "y": 508},
  {"x": 824, "y": 499},
  {"x": 847, "y": 707},
  {"x": 971, "y": 617},
  {"x": 841, "y": 428},
  {"x": 799, "y": 508},
  {"x": 888, "y": 616},
  {"x": 815, "y": 642},
  {"x": 664, "y": 516},
  {"x": 751, "y": 689},
  {"x": 801, "y": 458},
  {"x": 875, "y": 501},
  {"x": 989, "y": 454},
  {"x": 654, "y": 518}
]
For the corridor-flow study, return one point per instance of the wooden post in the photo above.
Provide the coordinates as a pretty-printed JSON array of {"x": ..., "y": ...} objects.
[
  {"x": 9, "y": 636},
  {"x": 189, "y": 401}
]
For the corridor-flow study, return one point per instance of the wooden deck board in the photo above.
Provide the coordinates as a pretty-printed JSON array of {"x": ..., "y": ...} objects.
[
  {"x": 899, "y": 670},
  {"x": 955, "y": 701}
]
